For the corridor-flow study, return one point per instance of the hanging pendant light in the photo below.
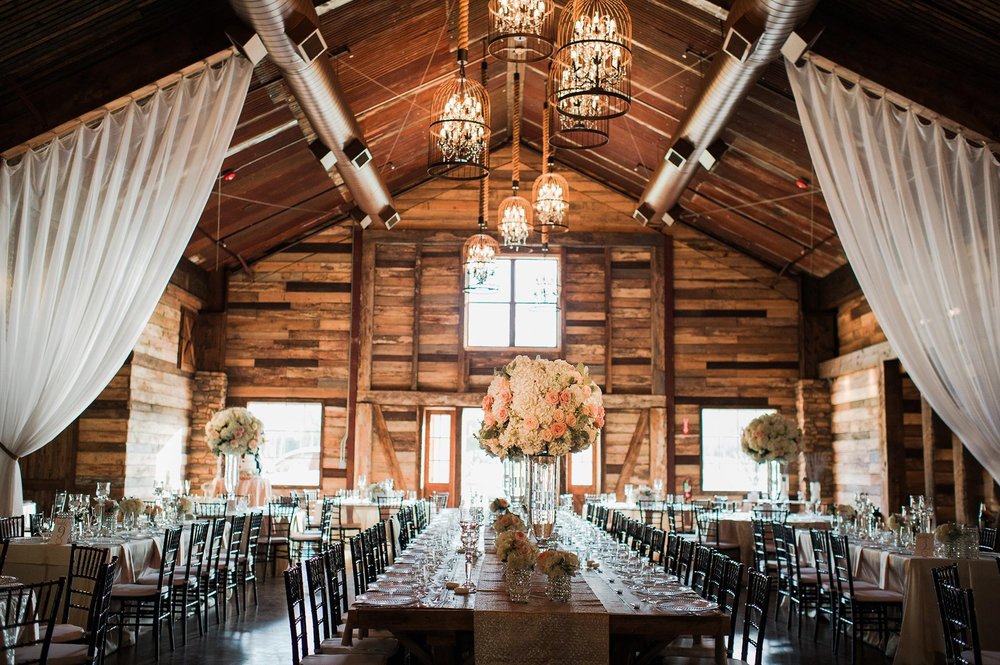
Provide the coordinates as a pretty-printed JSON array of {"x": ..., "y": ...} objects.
[
  {"x": 460, "y": 133},
  {"x": 591, "y": 73},
  {"x": 570, "y": 133},
  {"x": 550, "y": 193},
  {"x": 515, "y": 213},
  {"x": 480, "y": 251},
  {"x": 521, "y": 30}
]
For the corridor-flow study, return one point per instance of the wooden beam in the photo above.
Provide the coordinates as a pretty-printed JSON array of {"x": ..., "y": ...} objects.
[
  {"x": 388, "y": 448},
  {"x": 354, "y": 354},
  {"x": 968, "y": 483},
  {"x": 658, "y": 447},
  {"x": 608, "y": 383},
  {"x": 461, "y": 365},
  {"x": 415, "y": 362},
  {"x": 632, "y": 456},
  {"x": 935, "y": 435},
  {"x": 669, "y": 367},
  {"x": 453, "y": 237},
  {"x": 866, "y": 358},
  {"x": 460, "y": 399},
  {"x": 892, "y": 440}
]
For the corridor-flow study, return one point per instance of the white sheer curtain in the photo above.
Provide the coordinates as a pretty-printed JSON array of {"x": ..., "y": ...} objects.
[
  {"x": 919, "y": 216},
  {"x": 93, "y": 225}
]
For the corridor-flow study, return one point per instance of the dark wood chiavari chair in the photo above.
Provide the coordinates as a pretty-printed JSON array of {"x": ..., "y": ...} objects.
[
  {"x": 701, "y": 569},
  {"x": 29, "y": 611},
  {"x": 339, "y": 521},
  {"x": 961, "y": 633},
  {"x": 671, "y": 552},
  {"x": 388, "y": 506},
  {"x": 764, "y": 559},
  {"x": 229, "y": 567},
  {"x": 208, "y": 583},
  {"x": 945, "y": 575},
  {"x": 685, "y": 560},
  {"x": 187, "y": 584},
  {"x": 88, "y": 649},
  {"x": 210, "y": 508},
  {"x": 799, "y": 580},
  {"x": 988, "y": 540},
  {"x": 755, "y": 615},
  {"x": 826, "y": 594},
  {"x": 709, "y": 533},
  {"x": 4, "y": 544},
  {"x": 248, "y": 558},
  {"x": 275, "y": 540},
  {"x": 12, "y": 527},
  {"x": 358, "y": 568},
  {"x": 657, "y": 542},
  {"x": 652, "y": 512},
  {"x": 769, "y": 513},
  {"x": 82, "y": 589}
]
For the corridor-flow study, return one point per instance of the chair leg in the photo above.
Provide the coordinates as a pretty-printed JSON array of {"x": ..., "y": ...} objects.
[{"x": 156, "y": 629}]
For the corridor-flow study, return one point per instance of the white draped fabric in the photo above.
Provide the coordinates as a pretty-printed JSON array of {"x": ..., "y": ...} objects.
[
  {"x": 918, "y": 214},
  {"x": 93, "y": 225}
]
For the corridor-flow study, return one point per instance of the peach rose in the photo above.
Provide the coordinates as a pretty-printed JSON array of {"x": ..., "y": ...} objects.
[
  {"x": 489, "y": 420},
  {"x": 487, "y": 402},
  {"x": 565, "y": 397},
  {"x": 570, "y": 419},
  {"x": 503, "y": 414},
  {"x": 599, "y": 421},
  {"x": 531, "y": 423},
  {"x": 506, "y": 395},
  {"x": 552, "y": 397},
  {"x": 546, "y": 435},
  {"x": 558, "y": 429},
  {"x": 558, "y": 415}
]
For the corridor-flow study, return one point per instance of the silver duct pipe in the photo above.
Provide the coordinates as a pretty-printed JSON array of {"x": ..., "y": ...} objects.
[
  {"x": 728, "y": 82},
  {"x": 315, "y": 86}
]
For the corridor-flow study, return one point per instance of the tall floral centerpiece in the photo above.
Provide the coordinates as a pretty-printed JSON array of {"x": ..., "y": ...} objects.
[
  {"x": 233, "y": 434},
  {"x": 543, "y": 409},
  {"x": 774, "y": 439}
]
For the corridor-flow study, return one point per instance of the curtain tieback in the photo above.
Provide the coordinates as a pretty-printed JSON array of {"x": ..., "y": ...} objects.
[{"x": 9, "y": 454}]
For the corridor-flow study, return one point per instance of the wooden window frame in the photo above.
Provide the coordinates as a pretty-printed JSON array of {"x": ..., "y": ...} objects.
[
  {"x": 322, "y": 432},
  {"x": 701, "y": 443},
  {"x": 454, "y": 483},
  {"x": 556, "y": 255},
  {"x": 597, "y": 486}
]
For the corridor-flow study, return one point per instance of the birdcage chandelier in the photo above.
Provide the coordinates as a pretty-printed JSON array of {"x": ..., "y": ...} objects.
[
  {"x": 591, "y": 74},
  {"x": 521, "y": 30},
  {"x": 550, "y": 192},
  {"x": 514, "y": 216}
]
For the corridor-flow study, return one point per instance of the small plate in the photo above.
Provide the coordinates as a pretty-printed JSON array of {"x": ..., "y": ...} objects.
[
  {"x": 390, "y": 600},
  {"x": 392, "y": 584},
  {"x": 664, "y": 591}
]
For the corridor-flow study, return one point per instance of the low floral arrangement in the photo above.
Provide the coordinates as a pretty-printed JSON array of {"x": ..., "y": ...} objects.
[
  {"x": 645, "y": 493},
  {"x": 540, "y": 407},
  {"x": 382, "y": 489},
  {"x": 132, "y": 506},
  {"x": 185, "y": 505},
  {"x": 234, "y": 431},
  {"x": 948, "y": 533},
  {"x": 516, "y": 550},
  {"x": 154, "y": 511},
  {"x": 771, "y": 438},
  {"x": 558, "y": 563},
  {"x": 508, "y": 522},
  {"x": 499, "y": 505}
]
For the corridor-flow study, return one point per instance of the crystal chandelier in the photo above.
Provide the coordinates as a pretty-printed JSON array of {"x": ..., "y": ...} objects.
[
  {"x": 521, "y": 30},
  {"x": 591, "y": 72},
  {"x": 480, "y": 251},
  {"x": 550, "y": 191},
  {"x": 515, "y": 213},
  {"x": 460, "y": 133}
]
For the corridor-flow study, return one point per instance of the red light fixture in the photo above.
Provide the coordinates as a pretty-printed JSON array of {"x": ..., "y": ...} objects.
[
  {"x": 229, "y": 175},
  {"x": 802, "y": 183}
]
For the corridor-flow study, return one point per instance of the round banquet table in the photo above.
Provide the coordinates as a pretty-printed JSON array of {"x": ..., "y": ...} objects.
[{"x": 921, "y": 635}]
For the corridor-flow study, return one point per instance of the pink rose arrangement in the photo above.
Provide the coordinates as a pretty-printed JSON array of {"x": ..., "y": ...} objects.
[
  {"x": 508, "y": 522},
  {"x": 558, "y": 563},
  {"x": 234, "y": 431},
  {"x": 536, "y": 407},
  {"x": 516, "y": 550}
]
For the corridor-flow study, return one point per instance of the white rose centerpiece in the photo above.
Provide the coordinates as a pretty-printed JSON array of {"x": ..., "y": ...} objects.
[
  {"x": 540, "y": 407},
  {"x": 771, "y": 438},
  {"x": 234, "y": 431}
]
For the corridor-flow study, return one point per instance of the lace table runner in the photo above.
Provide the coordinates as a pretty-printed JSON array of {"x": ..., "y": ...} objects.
[{"x": 539, "y": 632}]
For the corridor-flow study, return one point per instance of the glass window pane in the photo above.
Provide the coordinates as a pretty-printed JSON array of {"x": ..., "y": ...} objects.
[
  {"x": 497, "y": 287},
  {"x": 581, "y": 468},
  {"x": 293, "y": 435},
  {"x": 439, "y": 449},
  {"x": 535, "y": 325},
  {"x": 488, "y": 324},
  {"x": 536, "y": 280},
  {"x": 724, "y": 466}
]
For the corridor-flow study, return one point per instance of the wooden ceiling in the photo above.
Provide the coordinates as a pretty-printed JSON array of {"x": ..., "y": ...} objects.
[{"x": 65, "y": 58}]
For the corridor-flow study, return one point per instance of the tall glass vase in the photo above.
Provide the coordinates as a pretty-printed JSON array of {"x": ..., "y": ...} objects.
[
  {"x": 543, "y": 495},
  {"x": 515, "y": 483},
  {"x": 777, "y": 481},
  {"x": 232, "y": 474}
]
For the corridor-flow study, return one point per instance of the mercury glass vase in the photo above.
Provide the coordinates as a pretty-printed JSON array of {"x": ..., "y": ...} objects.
[
  {"x": 518, "y": 584},
  {"x": 232, "y": 474},
  {"x": 559, "y": 588},
  {"x": 543, "y": 496}
]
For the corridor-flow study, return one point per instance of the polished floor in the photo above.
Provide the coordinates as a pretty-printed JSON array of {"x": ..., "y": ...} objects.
[{"x": 261, "y": 637}]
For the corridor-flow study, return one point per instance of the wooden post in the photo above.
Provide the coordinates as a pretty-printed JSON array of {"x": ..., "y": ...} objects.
[
  {"x": 669, "y": 371},
  {"x": 415, "y": 363},
  {"x": 608, "y": 386},
  {"x": 935, "y": 435},
  {"x": 461, "y": 365},
  {"x": 632, "y": 456},
  {"x": 968, "y": 483},
  {"x": 891, "y": 440},
  {"x": 357, "y": 285}
]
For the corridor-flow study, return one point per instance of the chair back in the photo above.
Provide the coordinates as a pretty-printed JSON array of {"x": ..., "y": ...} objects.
[
  {"x": 841, "y": 565},
  {"x": 657, "y": 539},
  {"x": 358, "y": 567},
  {"x": 821, "y": 557},
  {"x": 12, "y": 527},
  {"x": 760, "y": 537},
  {"x": 280, "y": 522},
  {"x": 197, "y": 546},
  {"x": 336, "y": 582},
  {"x": 254, "y": 525},
  {"x": 209, "y": 508},
  {"x": 387, "y": 505},
  {"x": 29, "y": 611},
  {"x": 85, "y": 565},
  {"x": 755, "y": 614},
  {"x": 296, "y": 613},
  {"x": 680, "y": 518},
  {"x": 440, "y": 500},
  {"x": 97, "y": 621},
  {"x": 729, "y": 597},
  {"x": 319, "y": 599},
  {"x": 237, "y": 525},
  {"x": 701, "y": 569},
  {"x": 652, "y": 512},
  {"x": 716, "y": 575},
  {"x": 35, "y": 523},
  {"x": 215, "y": 544},
  {"x": 4, "y": 544},
  {"x": 791, "y": 542},
  {"x": 942, "y": 576},
  {"x": 988, "y": 539},
  {"x": 708, "y": 527},
  {"x": 168, "y": 558},
  {"x": 958, "y": 619},
  {"x": 769, "y": 513},
  {"x": 671, "y": 552},
  {"x": 685, "y": 559}
]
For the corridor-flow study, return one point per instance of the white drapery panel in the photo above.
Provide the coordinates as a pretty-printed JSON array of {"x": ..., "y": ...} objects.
[
  {"x": 918, "y": 214},
  {"x": 93, "y": 225}
]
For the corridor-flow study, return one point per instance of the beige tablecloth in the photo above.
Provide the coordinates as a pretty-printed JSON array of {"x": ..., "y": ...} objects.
[
  {"x": 738, "y": 528},
  {"x": 921, "y": 638}
]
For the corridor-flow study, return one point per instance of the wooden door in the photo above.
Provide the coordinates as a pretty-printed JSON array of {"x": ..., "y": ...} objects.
[
  {"x": 51, "y": 469},
  {"x": 440, "y": 455}
]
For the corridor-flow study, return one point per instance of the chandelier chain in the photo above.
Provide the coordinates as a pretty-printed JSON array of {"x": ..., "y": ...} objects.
[{"x": 516, "y": 171}]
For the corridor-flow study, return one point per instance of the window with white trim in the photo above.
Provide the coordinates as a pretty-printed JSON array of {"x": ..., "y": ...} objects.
[
  {"x": 724, "y": 465},
  {"x": 293, "y": 440},
  {"x": 517, "y": 307}
]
